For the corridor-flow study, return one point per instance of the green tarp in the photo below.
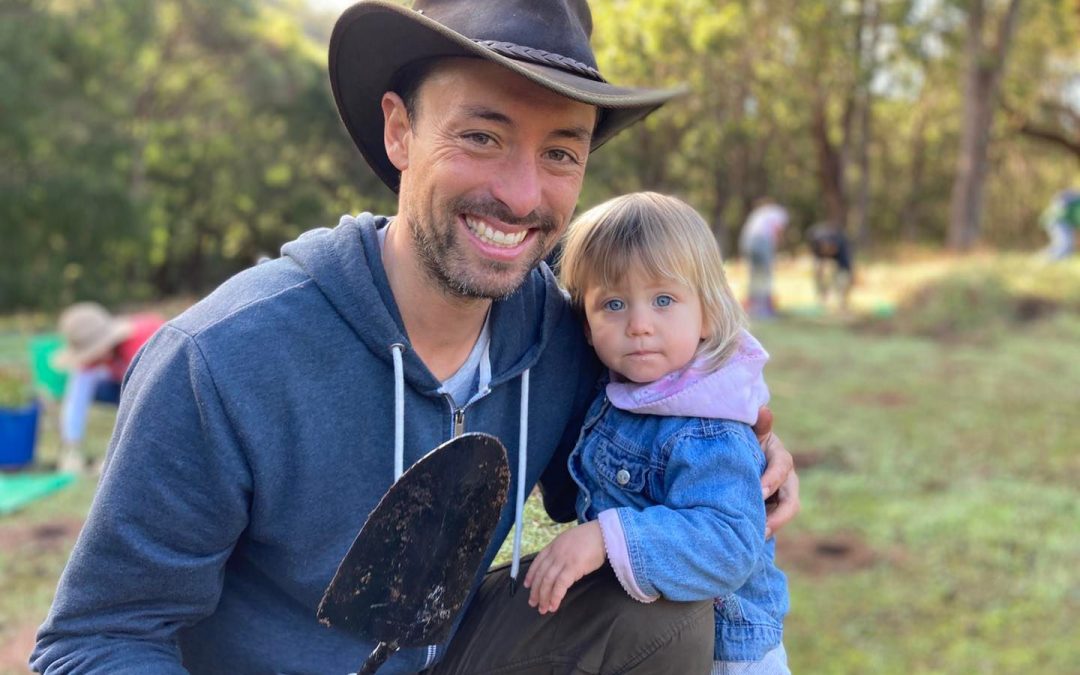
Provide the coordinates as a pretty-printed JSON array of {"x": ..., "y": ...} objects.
[{"x": 19, "y": 489}]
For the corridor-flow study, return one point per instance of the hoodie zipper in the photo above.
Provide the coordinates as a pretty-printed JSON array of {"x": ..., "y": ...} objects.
[
  {"x": 457, "y": 425},
  {"x": 459, "y": 422}
]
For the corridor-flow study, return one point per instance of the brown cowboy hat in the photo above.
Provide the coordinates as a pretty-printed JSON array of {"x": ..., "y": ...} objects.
[
  {"x": 89, "y": 333},
  {"x": 546, "y": 41}
]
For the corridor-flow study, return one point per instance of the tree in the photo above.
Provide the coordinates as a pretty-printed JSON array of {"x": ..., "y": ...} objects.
[{"x": 985, "y": 65}]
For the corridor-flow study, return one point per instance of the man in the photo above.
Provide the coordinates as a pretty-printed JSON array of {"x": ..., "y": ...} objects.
[
  {"x": 1061, "y": 220},
  {"x": 758, "y": 241},
  {"x": 259, "y": 429},
  {"x": 832, "y": 262}
]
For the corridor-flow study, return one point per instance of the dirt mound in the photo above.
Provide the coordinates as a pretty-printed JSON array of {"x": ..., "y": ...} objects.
[
  {"x": 979, "y": 303},
  {"x": 820, "y": 555},
  {"x": 15, "y": 646},
  {"x": 52, "y": 535},
  {"x": 832, "y": 459}
]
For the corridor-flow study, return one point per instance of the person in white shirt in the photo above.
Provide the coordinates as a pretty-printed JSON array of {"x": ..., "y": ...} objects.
[{"x": 758, "y": 242}]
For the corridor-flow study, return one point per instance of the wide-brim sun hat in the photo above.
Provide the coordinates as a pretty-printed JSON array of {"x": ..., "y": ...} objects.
[
  {"x": 545, "y": 41},
  {"x": 89, "y": 333}
]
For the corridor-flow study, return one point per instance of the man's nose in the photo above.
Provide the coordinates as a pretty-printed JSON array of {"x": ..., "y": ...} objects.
[{"x": 518, "y": 185}]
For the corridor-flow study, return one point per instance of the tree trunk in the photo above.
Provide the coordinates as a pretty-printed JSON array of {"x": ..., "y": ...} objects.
[
  {"x": 982, "y": 80},
  {"x": 830, "y": 165},
  {"x": 911, "y": 212},
  {"x": 869, "y": 19}
]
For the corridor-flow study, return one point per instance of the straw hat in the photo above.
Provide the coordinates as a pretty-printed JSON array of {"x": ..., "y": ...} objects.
[
  {"x": 89, "y": 333},
  {"x": 545, "y": 41}
]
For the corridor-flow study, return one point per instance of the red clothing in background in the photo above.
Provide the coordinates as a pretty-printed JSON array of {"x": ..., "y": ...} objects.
[{"x": 142, "y": 327}]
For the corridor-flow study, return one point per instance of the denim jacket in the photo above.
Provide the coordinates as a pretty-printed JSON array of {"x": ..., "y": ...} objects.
[{"x": 679, "y": 500}]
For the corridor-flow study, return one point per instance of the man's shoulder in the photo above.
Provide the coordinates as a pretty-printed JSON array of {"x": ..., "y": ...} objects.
[{"x": 249, "y": 296}]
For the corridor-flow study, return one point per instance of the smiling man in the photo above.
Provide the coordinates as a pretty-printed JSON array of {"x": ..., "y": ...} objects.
[{"x": 258, "y": 429}]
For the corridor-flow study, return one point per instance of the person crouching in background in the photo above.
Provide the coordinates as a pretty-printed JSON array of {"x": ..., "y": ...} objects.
[{"x": 98, "y": 348}]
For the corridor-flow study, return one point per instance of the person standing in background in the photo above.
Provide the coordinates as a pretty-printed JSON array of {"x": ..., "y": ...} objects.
[
  {"x": 758, "y": 242},
  {"x": 1061, "y": 219}
]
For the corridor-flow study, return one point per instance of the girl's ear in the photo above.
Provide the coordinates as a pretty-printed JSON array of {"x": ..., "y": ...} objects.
[
  {"x": 588, "y": 332},
  {"x": 397, "y": 130}
]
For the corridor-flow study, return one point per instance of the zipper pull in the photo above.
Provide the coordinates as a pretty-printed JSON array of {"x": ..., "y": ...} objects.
[{"x": 459, "y": 422}]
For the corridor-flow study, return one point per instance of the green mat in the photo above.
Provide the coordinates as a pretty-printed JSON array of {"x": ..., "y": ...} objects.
[{"x": 19, "y": 489}]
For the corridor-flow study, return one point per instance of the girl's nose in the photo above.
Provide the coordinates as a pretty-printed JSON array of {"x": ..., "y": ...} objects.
[{"x": 639, "y": 324}]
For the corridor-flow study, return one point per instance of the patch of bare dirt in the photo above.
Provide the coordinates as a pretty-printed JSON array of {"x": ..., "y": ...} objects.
[
  {"x": 15, "y": 646},
  {"x": 821, "y": 555},
  {"x": 1030, "y": 308},
  {"x": 52, "y": 535},
  {"x": 881, "y": 399},
  {"x": 819, "y": 459}
]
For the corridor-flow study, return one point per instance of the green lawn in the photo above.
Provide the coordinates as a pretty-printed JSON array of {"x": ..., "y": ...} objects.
[{"x": 941, "y": 509}]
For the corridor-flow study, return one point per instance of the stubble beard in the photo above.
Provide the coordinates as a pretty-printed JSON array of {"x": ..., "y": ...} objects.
[{"x": 442, "y": 253}]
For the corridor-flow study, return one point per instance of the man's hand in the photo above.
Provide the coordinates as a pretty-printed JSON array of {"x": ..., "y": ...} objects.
[
  {"x": 570, "y": 556},
  {"x": 779, "y": 483}
]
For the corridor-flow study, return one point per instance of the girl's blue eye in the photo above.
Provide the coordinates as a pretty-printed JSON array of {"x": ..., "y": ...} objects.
[
  {"x": 664, "y": 300},
  {"x": 614, "y": 305}
]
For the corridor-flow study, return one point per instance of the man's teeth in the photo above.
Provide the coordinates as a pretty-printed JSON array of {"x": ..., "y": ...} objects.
[{"x": 492, "y": 236}]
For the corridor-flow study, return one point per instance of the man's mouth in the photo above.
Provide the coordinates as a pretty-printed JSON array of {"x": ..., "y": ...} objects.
[{"x": 490, "y": 235}]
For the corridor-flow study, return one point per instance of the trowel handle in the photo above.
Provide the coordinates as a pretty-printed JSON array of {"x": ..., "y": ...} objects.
[{"x": 378, "y": 657}]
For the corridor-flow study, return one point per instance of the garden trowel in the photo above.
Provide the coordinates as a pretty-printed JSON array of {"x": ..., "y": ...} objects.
[{"x": 410, "y": 569}]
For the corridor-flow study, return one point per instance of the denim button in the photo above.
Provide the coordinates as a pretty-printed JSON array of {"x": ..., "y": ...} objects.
[{"x": 623, "y": 477}]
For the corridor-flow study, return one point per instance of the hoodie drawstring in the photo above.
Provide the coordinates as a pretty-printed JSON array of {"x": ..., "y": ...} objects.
[
  {"x": 399, "y": 411},
  {"x": 519, "y": 510},
  {"x": 523, "y": 451}
]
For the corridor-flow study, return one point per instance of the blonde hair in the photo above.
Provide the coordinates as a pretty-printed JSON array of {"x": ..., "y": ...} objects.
[{"x": 668, "y": 239}]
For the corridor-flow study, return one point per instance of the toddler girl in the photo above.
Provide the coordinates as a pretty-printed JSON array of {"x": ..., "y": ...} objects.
[{"x": 668, "y": 467}]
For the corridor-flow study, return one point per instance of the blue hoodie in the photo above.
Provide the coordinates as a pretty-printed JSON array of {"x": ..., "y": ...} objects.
[{"x": 256, "y": 433}]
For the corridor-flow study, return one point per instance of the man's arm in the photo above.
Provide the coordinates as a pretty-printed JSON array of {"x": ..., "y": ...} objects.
[
  {"x": 172, "y": 501},
  {"x": 779, "y": 483}
]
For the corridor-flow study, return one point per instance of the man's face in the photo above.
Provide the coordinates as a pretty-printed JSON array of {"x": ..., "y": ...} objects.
[{"x": 492, "y": 166}]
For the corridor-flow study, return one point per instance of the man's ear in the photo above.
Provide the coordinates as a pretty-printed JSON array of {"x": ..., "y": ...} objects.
[{"x": 397, "y": 130}]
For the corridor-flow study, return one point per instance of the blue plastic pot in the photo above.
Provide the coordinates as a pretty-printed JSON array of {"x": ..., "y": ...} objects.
[{"x": 18, "y": 435}]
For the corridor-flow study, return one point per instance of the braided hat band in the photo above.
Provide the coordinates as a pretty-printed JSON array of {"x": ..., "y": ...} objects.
[{"x": 541, "y": 57}]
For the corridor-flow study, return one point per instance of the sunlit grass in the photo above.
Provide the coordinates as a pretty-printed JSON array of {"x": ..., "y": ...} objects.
[{"x": 954, "y": 460}]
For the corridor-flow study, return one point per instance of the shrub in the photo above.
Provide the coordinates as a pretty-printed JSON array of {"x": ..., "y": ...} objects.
[{"x": 16, "y": 390}]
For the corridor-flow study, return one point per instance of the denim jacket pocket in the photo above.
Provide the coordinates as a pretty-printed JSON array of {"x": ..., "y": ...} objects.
[
  {"x": 729, "y": 608},
  {"x": 620, "y": 469}
]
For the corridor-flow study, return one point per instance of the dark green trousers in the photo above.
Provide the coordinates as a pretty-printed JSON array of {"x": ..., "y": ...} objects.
[{"x": 598, "y": 630}]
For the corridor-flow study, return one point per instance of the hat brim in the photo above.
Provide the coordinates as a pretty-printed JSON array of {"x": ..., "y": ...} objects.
[
  {"x": 67, "y": 358},
  {"x": 373, "y": 40}
]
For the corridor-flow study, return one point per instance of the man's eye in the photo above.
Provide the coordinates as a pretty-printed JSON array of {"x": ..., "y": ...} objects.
[
  {"x": 562, "y": 156},
  {"x": 664, "y": 300},
  {"x": 480, "y": 138},
  {"x": 614, "y": 305}
]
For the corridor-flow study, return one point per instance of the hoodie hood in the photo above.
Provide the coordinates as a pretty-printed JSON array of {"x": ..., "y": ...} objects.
[
  {"x": 734, "y": 391},
  {"x": 346, "y": 264}
]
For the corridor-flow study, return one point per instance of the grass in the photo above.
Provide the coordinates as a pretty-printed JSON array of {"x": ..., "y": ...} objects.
[{"x": 943, "y": 460}]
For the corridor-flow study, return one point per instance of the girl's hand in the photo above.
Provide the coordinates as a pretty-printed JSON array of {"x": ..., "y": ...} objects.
[
  {"x": 570, "y": 556},
  {"x": 779, "y": 483}
]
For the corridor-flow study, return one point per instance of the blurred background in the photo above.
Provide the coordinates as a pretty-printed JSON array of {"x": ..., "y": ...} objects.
[{"x": 149, "y": 150}]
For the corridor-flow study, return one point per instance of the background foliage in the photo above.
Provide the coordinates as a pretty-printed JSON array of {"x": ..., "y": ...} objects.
[{"x": 148, "y": 149}]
